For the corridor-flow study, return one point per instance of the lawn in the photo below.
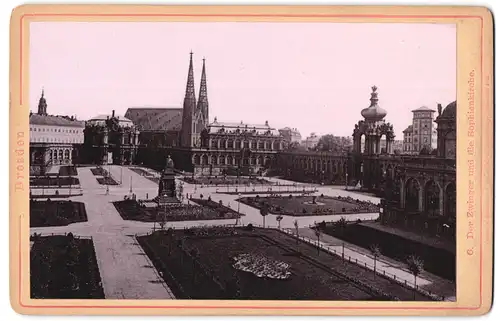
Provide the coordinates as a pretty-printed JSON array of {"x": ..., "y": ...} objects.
[
  {"x": 209, "y": 210},
  {"x": 64, "y": 267},
  {"x": 67, "y": 171},
  {"x": 437, "y": 260},
  {"x": 259, "y": 264},
  {"x": 107, "y": 181},
  {"x": 99, "y": 171},
  {"x": 56, "y": 213},
  {"x": 310, "y": 205},
  {"x": 53, "y": 181}
]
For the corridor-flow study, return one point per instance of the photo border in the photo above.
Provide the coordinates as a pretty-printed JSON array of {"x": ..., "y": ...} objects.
[{"x": 474, "y": 53}]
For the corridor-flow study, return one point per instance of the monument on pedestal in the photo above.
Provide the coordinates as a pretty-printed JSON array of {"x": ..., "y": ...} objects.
[{"x": 166, "y": 186}]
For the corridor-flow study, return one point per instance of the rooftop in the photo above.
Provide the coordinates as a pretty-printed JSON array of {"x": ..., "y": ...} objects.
[{"x": 49, "y": 120}]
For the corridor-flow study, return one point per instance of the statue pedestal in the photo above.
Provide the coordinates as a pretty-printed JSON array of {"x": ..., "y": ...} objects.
[{"x": 166, "y": 186}]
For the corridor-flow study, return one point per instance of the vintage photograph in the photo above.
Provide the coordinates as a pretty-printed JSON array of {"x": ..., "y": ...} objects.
[{"x": 242, "y": 161}]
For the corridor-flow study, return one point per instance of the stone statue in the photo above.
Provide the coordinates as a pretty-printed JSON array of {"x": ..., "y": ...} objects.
[
  {"x": 440, "y": 109},
  {"x": 170, "y": 163}
]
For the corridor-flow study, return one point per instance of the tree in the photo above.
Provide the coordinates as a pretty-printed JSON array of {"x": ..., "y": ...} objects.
[
  {"x": 375, "y": 249},
  {"x": 416, "y": 266},
  {"x": 296, "y": 224},
  {"x": 340, "y": 227},
  {"x": 426, "y": 150},
  {"x": 279, "y": 218},
  {"x": 264, "y": 211},
  {"x": 330, "y": 143},
  {"x": 318, "y": 234}
]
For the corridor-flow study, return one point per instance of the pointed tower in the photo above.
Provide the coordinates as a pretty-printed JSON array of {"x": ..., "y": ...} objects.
[
  {"x": 42, "y": 105},
  {"x": 203, "y": 98},
  {"x": 189, "y": 108}
]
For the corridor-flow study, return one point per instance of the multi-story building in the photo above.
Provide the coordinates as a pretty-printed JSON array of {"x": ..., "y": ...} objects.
[
  {"x": 291, "y": 135},
  {"x": 53, "y": 139},
  {"x": 311, "y": 141},
  {"x": 422, "y": 133}
]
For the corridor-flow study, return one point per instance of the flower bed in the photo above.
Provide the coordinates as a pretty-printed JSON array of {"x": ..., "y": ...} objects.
[
  {"x": 56, "y": 213},
  {"x": 132, "y": 210},
  {"x": 107, "y": 181},
  {"x": 64, "y": 267},
  {"x": 310, "y": 205}
]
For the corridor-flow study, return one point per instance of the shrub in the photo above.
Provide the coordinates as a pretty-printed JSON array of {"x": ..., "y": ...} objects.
[
  {"x": 290, "y": 196},
  {"x": 249, "y": 227},
  {"x": 304, "y": 211}
]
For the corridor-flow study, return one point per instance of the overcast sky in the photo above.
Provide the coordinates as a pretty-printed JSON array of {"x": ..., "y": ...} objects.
[{"x": 312, "y": 76}]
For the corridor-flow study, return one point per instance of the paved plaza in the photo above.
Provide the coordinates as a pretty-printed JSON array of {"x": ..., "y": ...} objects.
[{"x": 126, "y": 271}]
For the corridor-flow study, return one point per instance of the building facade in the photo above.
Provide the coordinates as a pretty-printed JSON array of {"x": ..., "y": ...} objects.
[
  {"x": 110, "y": 139},
  {"x": 311, "y": 141},
  {"x": 291, "y": 135},
  {"x": 218, "y": 148},
  {"x": 54, "y": 140},
  {"x": 422, "y": 133}
]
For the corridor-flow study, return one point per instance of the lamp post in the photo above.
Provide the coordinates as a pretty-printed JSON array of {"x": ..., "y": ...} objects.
[
  {"x": 121, "y": 174},
  {"x": 130, "y": 184},
  {"x": 238, "y": 217}
]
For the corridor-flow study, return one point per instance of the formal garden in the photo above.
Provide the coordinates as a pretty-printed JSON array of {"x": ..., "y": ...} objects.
[
  {"x": 53, "y": 181},
  {"x": 206, "y": 209},
  {"x": 294, "y": 205},
  {"x": 64, "y": 267},
  {"x": 261, "y": 264},
  {"x": 438, "y": 260},
  {"x": 56, "y": 213},
  {"x": 99, "y": 171}
]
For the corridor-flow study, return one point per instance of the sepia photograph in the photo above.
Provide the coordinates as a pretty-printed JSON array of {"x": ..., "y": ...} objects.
[{"x": 242, "y": 161}]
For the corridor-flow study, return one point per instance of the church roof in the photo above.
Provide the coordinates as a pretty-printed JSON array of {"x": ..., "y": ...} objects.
[
  {"x": 155, "y": 119},
  {"x": 423, "y": 108},
  {"x": 49, "y": 120}
]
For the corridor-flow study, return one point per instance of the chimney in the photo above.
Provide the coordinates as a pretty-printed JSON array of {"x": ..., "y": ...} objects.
[{"x": 113, "y": 113}]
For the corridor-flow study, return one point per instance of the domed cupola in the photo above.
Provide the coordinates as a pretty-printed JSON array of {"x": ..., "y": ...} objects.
[{"x": 374, "y": 113}]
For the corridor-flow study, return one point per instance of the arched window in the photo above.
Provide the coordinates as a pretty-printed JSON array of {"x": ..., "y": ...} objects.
[
  {"x": 66, "y": 154},
  {"x": 431, "y": 197},
  {"x": 261, "y": 144},
  {"x": 215, "y": 143},
  {"x": 230, "y": 143},
  {"x": 237, "y": 144},
  {"x": 246, "y": 144},
  {"x": 230, "y": 160},
  {"x": 253, "y": 144},
  {"x": 222, "y": 160},
  {"x": 213, "y": 160},
  {"x": 412, "y": 189},
  {"x": 204, "y": 159},
  {"x": 197, "y": 160},
  {"x": 450, "y": 200}
]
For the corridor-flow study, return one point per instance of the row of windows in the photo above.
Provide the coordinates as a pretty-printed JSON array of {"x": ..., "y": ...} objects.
[
  {"x": 56, "y": 130},
  {"x": 246, "y": 144},
  {"x": 214, "y": 160},
  {"x": 55, "y": 155},
  {"x": 56, "y": 140}
]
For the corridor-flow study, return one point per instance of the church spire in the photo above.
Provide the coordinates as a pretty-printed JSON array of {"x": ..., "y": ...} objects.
[
  {"x": 190, "y": 81},
  {"x": 189, "y": 108},
  {"x": 203, "y": 98},
  {"x": 42, "y": 104}
]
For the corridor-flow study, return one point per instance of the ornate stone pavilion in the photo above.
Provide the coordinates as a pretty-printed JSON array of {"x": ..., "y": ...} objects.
[{"x": 110, "y": 139}]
